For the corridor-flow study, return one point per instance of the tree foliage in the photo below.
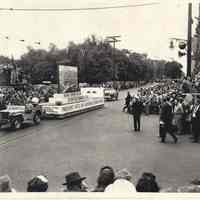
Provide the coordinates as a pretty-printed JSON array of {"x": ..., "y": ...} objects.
[
  {"x": 96, "y": 60},
  {"x": 173, "y": 70}
]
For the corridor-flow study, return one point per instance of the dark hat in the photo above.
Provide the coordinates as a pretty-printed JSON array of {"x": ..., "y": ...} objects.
[{"x": 72, "y": 178}]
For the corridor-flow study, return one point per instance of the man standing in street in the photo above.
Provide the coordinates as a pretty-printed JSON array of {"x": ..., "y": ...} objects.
[
  {"x": 137, "y": 108},
  {"x": 196, "y": 120},
  {"x": 166, "y": 117}
]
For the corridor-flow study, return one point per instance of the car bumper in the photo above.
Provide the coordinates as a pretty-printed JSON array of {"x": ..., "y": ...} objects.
[
  {"x": 109, "y": 97},
  {"x": 4, "y": 123}
]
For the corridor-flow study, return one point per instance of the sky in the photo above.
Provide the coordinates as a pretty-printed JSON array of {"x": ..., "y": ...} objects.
[{"x": 142, "y": 29}]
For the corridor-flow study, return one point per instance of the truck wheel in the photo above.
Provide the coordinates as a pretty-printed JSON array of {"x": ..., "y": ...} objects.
[
  {"x": 16, "y": 124},
  {"x": 37, "y": 118}
]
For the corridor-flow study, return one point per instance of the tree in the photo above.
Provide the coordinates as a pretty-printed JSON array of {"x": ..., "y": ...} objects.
[
  {"x": 44, "y": 71},
  {"x": 173, "y": 70},
  {"x": 94, "y": 59}
]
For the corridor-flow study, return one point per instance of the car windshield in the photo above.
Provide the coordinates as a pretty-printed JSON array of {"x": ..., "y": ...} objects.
[{"x": 109, "y": 90}]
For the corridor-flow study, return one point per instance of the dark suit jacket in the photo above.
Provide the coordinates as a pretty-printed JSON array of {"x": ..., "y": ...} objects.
[
  {"x": 197, "y": 117},
  {"x": 196, "y": 121},
  {"x": 166, "y": 113},
  {"x": 137, "y": 108}
]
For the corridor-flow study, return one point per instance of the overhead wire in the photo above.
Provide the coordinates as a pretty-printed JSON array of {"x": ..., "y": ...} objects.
[
  {"x": 68, "y": 9},
  {"x": 77, "y": 9}
]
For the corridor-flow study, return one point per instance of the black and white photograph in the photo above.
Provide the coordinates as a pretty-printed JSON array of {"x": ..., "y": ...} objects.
[{"x": 100, "y": 96}]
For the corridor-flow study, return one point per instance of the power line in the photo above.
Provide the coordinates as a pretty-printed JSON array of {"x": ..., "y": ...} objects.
[
  {"x": 7, "y": 37},
  {"x": 77, "y": 9}
]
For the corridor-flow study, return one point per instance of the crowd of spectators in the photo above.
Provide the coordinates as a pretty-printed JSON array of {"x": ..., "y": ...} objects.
[
  {"x": 153, "y": 96},
  {"x": 183, "y": 95},
  {"x": 107, "y": 181},
  {"x": 23, "y": 95}
]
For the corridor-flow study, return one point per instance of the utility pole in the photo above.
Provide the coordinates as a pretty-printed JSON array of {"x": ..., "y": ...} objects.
[
  {"x": 189, "y": 40},
  {"x": 186, "y": 43},
  {"x": 197, "y": 45},
  {"x": 113, "y": 40},
  {"x": 58, "y": 79}
]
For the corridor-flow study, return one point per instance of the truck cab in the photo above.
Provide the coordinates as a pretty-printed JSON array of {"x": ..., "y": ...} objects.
[{"x": 15, "y": 115}]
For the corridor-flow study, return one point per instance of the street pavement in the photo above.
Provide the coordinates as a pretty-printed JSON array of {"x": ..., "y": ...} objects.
[{"x": 89, "y": 141}]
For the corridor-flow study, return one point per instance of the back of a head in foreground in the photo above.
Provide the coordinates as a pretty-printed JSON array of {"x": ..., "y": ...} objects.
[
  {"x": 5, "y": 184},
  {"x": 147, "y": 183},
  {"x": 37, "y": 184}
]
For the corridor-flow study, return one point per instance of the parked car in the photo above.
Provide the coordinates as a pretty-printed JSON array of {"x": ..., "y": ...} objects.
[
  {"x": 111, "y": 94},
  {"x": 15, "y": 115}
]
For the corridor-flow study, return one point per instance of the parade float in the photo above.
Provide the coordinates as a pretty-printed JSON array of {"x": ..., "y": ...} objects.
[
  {"x": 68, "y": 104},
  {"x": 65, "y": 103}
]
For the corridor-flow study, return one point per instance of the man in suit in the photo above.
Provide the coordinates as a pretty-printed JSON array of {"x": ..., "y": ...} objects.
[
  {"x": 137, "y": 108},
  {"x": 196, "y": 121},
  {"x": 166, "y": 117}
]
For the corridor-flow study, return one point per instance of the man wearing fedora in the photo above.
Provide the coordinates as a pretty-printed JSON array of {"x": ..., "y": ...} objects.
[{"x": 74, "y": 183}]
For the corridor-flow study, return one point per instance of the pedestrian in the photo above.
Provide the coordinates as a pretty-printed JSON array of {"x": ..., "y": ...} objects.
[
  {"x": 166, "y": 117},
  {"x": 186, "y": 118},
  {"x": 137, "y": 109},
  {"x": 127, "y": 102},
  {"x": 74, "y": 183},
  {"x": 196, "y": 120},
  {"x": 178, "y": 115}
]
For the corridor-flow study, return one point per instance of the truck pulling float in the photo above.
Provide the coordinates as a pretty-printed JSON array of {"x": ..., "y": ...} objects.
[{"x": 15, "y": 115}]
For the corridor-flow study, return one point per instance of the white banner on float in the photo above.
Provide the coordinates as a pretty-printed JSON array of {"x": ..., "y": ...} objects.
[
  {"x": 68, "y": 78},
  {"x": 69, "y": 108}
]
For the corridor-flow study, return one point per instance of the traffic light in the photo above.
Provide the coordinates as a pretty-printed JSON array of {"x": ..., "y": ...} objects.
[
  {"x": 182, "y": 45},
  {"x": 171, "y": 46},
  {"x": 181, "y": 53}
]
